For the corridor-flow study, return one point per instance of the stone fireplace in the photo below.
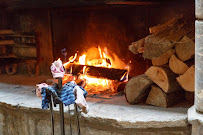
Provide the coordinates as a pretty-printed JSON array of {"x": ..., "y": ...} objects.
[{"x": 103, "y": 28}]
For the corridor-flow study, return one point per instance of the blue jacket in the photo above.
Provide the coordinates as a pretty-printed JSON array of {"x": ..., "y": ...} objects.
[
  {"x": 67, "y": 96},
  {"x": 46, "y": 96}
]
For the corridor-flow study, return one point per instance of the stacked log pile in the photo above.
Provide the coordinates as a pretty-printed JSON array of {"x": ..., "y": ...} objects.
[{"x": 171, "y": 49}]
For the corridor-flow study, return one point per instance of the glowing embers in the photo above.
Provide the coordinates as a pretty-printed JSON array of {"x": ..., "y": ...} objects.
[{"x": 97, "y": 85}]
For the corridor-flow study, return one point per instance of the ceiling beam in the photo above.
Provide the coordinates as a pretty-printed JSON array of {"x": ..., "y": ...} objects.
[{"x": 138, "y": 3}]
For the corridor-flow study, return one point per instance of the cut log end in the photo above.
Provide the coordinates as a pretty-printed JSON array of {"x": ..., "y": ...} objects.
[
  {"x": 159, "y": 76},
  {"x": 164, "y": 78},
  {"x": 177, "y": 66},
  {"x": 163, "y": 59},
  {"x": 187, "y": 80},
  {"x": 157, "y": 97},
  {"x": 137, "y": 88}
]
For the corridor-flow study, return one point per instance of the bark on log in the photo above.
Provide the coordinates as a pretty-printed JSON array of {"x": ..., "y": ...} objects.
[
  {"x": 99, "y": 72},
  {"x": 137, "y": 47},
  {"x": 161, "y": 27},
  {"x": 157, "y": 97},
  {"x": 187, "y": 80},
  {"x": 164, "y": 78},
  {"x": 163, "y": 59},
  {"x": 156, "y": 45},
  {"x": 185, "y": 49},
  {"x": 177, "y": 66},
  {"x": 137, "y": 88}
]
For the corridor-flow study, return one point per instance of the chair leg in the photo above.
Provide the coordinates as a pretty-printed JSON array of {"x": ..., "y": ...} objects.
[
  {"x": 61, "y": 109},
  {"x": 52, "y": 115},
  {"x": 70, "y": 119},
  {"x": 77, "y": 117}
]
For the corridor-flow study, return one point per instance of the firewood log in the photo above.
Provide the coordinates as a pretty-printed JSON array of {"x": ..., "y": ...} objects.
[
  {"x": 177, "y": 66},
  {"x": 157, "y": 44},
  {"x": 163, "y": 59},
  {"x": 157, "y": 97},
  {"x": 185, "y": 49},
  {"x": 164, "y": 78},
  {"x": 137, "y": 47},
  {"x": 137, "y": 88},
  {"x": 187, "y": 80},
  {"x": 161, "y": 27},
  {"x": 98, "y": 72}
]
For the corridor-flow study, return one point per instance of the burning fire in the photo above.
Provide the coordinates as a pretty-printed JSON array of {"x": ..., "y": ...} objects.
[{"x": 97, "y": 58}]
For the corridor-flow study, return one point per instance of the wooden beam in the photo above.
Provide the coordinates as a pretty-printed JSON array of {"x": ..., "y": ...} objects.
[
  {"x": 27, "y": 4},
  {"x": 138, "y": 3}
]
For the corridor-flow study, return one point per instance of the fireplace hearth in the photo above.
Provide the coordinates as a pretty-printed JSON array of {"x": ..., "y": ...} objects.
[{"x": 115, "y": 50}]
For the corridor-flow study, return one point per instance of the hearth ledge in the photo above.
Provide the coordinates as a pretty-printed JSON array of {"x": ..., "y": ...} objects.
[{"x": 19, "y": 104}]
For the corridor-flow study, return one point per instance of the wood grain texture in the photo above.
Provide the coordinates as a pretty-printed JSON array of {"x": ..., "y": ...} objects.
[
  {"x": 137, "y": 88},
  {"x": 163, "y": 59},
  {"x": 187, "y": 80},
  {"x": 164, "y": 78},
  {"x": 177, "y": 66},
  {"x": 158, "y": 97}
]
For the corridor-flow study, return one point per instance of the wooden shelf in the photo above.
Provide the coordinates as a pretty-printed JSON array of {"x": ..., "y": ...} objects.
[
  {"x": 19, "y": 45},
  {"x": 7, "y": 42},
  {"x": 8, "y": 56},
  {"x": 11, "y": 56},
  {"x": 6, "y": 32},
  {"x": 19, "y": 35}
]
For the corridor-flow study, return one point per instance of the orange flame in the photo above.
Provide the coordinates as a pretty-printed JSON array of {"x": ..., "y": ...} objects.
[
  {"x": 103, "y": 60},
  {"x": 71, "y": 59},
  {"x": 82, "y": 59},
  {"x": 100, "y": 53}
]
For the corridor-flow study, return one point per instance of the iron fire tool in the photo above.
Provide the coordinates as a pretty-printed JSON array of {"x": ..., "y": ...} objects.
[
  {"x": 61, "y": 109},
  {"x": 52, "y": 115},
  {"x": 62, "y": 113},
  {"x": 76, "y": 110},
  {"x": 54, "y": 100}
]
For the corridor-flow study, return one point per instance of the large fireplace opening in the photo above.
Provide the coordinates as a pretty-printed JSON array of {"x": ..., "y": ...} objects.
[
  {"x": 84, "y": 37},
  {"x": 134, "y": 58}
]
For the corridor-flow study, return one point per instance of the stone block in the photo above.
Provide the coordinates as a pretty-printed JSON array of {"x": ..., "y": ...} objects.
[
  {"x": 197, "y": 129},
  {"x": 1, "y": 123},
  {"x": 199, "y": 9},
  {"x": 198, "y": 65},
  {"x": 195, "y": 118}
]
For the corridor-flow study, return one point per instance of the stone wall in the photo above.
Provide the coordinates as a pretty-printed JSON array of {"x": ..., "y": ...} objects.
[
  {"x": 199, "y": 56},
  {"x": 195, "y": 112},
  {"x": 29, "y": 121}
]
